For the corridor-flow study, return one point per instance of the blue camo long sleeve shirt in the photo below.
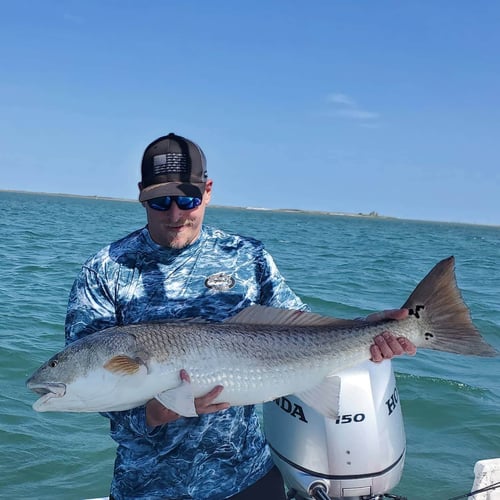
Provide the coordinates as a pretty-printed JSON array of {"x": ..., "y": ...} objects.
[{"x": 135, "y": 280}]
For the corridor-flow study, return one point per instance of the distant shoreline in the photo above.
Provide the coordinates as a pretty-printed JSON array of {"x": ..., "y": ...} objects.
[
  {"x": 372, "y": 215},
  {"x": 65, "y": 195},
  {"x": 290, "y": 210}
]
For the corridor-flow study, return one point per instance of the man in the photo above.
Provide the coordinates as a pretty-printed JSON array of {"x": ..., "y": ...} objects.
[{"x": 177, "y": 268}]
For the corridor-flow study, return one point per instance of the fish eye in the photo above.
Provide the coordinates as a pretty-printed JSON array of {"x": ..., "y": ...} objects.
[{"x": 53, "y": 363}]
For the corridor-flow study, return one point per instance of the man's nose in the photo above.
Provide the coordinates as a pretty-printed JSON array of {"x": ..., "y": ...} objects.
[{"x": 174, "y": 212}]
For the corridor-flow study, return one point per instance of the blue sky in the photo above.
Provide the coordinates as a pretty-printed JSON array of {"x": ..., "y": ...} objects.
[{"x": 346, "y": 106}]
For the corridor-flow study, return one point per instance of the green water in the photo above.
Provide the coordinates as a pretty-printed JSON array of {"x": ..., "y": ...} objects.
[{"x": 341, "y": 266}]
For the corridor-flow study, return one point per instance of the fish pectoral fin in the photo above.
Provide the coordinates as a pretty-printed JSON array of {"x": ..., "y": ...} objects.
[
  {"x": 124, "y": 365},
  {"x": 180, "y": 400},
  {"x": 324, "y": 397}
]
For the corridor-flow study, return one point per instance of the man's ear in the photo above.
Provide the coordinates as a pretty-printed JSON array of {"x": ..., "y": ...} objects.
[
  {"x": 208, "y": 191},
  {"x": 139, "y": 185}
]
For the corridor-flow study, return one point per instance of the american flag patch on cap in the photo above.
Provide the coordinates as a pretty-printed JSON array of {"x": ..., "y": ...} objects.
[{"x": 170, "y": 163}]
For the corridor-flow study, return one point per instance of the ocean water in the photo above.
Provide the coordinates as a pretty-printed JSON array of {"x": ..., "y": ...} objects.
[{"x": 342, "y": 266}]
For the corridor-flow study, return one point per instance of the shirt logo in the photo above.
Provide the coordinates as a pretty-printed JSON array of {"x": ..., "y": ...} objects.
[{"x": 220, "y": 282}]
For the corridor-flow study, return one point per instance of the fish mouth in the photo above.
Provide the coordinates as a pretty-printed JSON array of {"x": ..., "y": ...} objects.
[{"x": 47, "y": 391}]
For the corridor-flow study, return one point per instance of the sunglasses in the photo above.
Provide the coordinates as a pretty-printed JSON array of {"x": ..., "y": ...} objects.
[{"x": 165, "y": 202}]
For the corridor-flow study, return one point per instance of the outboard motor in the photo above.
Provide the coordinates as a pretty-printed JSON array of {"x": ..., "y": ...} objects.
[{"x": 358, "y": 455}]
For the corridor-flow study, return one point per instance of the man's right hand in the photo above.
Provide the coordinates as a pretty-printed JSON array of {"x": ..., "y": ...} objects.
[{"x": 157, "y": 414}]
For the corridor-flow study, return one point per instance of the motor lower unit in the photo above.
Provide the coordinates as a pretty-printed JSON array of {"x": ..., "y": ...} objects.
[{"x": 359, "y": 454}]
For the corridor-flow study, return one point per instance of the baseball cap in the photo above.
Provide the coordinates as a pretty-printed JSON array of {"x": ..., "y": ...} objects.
[{"x": 173, "y": 166}]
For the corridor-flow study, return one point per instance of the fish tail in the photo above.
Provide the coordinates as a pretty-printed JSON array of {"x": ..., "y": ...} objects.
[{"x": 438, "y": 303}]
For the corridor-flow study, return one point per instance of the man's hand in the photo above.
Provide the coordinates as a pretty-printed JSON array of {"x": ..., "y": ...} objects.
[
  {"x": 204, "y": 404},
  {"x": 157, "y": 414},
  {"x": 386, "y": 345}
]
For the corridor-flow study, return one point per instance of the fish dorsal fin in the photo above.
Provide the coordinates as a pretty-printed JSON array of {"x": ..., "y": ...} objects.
[
  {"x": 124, "y": 365},
  {"x": 324, "y": 398},
  {"x": 263, "y": 315}
]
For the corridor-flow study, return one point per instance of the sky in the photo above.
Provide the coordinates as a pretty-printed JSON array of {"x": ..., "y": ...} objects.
[{"x": 340, "y": 106}]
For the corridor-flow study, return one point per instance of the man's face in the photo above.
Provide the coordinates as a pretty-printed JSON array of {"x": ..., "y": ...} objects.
[{"x": 176, "y": 228}]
